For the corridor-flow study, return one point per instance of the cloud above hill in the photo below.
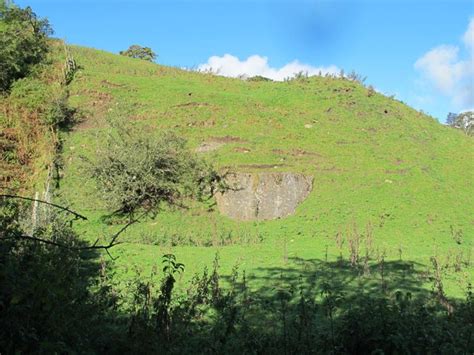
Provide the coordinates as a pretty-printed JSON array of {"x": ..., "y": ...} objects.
[
  {"x": 231, "y": 66},
  {"x": 449, "y": 71}
]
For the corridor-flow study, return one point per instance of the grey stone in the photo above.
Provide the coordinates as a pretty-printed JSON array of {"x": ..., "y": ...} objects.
[{"x": 263, "y": 196}]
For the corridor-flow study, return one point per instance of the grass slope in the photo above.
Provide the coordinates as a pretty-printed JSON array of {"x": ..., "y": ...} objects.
[{"x": 375, "y": 161}]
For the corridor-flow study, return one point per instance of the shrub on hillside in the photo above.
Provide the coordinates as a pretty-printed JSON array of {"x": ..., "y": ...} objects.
[
  {"x": 23, "y": 42},
  {"x": 259, "y": 78},
  {"x": 136, "y": 170}
]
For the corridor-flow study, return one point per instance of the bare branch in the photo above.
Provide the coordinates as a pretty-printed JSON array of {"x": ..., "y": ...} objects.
[
  {"x": 113, "y": 241},
  {"x": 77, "y": 215}
]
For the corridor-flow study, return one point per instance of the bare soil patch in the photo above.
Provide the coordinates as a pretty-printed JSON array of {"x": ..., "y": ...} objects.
[
  {"x": 261, "y": 166},
  {"x": 228, "y": 139},
  {"x": 193, "y": 104}
]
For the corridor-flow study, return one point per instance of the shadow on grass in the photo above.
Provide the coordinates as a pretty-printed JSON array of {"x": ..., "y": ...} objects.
[
  {"x": 376, "y": 279},
  {"x": 56, "y": 300}
]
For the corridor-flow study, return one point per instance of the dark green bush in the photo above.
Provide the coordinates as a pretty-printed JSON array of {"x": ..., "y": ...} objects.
[
  {"x": 44, "y": 290},
  {"x": 259, "y": 78},
  {"x": 23, "y": 42},
  {"x": 139, "y": 52}
]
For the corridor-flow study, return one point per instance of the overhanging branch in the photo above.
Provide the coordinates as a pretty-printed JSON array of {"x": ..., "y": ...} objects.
[
  {"x": 77, "y": 215},
  {"x": 113, "y": 241}
]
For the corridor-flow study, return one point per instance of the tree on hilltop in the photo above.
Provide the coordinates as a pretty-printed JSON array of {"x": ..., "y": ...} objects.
[
  {"x": 463, "y": 121},
  {"x": 139, "y": 52}
]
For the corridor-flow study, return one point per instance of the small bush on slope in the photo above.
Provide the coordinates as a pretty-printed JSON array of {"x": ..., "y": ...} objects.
[{"x": 136, "y": 171}]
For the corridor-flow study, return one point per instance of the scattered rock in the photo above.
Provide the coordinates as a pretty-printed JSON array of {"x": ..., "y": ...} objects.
[
  {"x": 216, "y": 142},
  {"x": 200, "y": 123},
  {"x": 208, "y": 147},
  {"x": 260, "y": 166},
  {"x": 296, "y": 152},
  {"x": 397, "y": 171},
  {"x": 241, "y": 150},
  {"x": 107, "y": 83}
]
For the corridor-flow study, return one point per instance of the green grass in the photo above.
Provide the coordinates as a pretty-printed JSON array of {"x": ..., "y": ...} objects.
[{"x": 374, "y": 160}]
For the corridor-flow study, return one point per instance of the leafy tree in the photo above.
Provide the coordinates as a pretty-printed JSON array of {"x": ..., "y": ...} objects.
[
  {"x": 139, "y": 52},
  {"x": 23, "y": 42},
  {"x": 463, "y": 121},
  {"x": 139, "y": 171},
  {"x": 451, "y": 119}
]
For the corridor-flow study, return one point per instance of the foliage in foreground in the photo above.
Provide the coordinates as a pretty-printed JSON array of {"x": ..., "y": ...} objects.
[{"x": 62, "y": 300}]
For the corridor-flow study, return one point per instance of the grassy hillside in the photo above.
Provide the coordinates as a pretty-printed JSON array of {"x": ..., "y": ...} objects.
[{"x": 380, "y": 168}]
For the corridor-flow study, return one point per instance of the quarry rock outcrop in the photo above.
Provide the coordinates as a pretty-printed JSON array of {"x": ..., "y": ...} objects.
[{"x": 263, "y": 196}]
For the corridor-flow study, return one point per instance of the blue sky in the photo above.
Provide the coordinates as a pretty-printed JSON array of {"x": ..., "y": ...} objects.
[{"x": 419, "y": 50}]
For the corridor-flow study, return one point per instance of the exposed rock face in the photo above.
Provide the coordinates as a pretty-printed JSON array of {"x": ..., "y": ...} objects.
[{"x": 263, "y": 196}]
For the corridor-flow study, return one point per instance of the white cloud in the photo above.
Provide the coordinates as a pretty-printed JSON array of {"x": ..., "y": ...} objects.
[
  {"x": 468, "y": 37},
  {"x": 443, "y": 67},
  {"x": 449, "y": 73},
  {"x": 231, "y": 66}
]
